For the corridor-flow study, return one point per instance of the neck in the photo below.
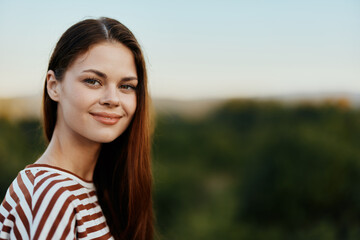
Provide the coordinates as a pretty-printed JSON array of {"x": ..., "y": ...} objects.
[{"x": 73, "y": 153}]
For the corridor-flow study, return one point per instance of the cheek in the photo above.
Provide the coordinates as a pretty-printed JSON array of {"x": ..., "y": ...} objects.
[
  {"x": 130, "y": 104},
  {"x": 76, "y": 100}
]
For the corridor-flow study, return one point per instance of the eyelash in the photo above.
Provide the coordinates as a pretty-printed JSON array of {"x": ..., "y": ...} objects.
[
  {"x": 127, "y": 86},
  {"x": 93, "y": 81}
]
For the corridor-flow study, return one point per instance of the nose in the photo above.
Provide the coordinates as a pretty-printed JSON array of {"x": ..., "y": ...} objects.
[{"x": 110, "y": 97}]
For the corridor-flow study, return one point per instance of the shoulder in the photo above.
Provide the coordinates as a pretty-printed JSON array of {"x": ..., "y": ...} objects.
[
  {"x": 41, "y": 202},
  {"x": 36, "y": 186},
  {"x": 15, "y": 210}
]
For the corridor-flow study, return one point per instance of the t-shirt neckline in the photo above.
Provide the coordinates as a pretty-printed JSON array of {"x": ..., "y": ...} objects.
[{"x": 87, "y": 183}]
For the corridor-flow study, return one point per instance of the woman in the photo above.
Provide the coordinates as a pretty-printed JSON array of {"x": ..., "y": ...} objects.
[{"x": 94, "y": 179}]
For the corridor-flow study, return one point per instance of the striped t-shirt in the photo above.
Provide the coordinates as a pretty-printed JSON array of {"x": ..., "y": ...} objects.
[{"x": 46, "y": 202}]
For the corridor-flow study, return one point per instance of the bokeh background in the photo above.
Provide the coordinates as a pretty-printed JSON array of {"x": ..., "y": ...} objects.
[{"x": 257, "y": 118}]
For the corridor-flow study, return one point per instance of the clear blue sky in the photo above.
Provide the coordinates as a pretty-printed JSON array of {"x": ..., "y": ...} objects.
[{"x": 200, "y": 49}]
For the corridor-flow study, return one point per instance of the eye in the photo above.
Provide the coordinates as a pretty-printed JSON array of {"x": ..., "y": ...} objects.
[
  {"x": 127, "y": 87},
  {"x": 92, "y": 82}
]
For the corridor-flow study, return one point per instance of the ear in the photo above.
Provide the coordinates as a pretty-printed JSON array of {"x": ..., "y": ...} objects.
[{"x": 52, "y": 86}]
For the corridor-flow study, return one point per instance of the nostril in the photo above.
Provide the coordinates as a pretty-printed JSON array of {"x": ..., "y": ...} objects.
[{"x": 110, "y": 101}]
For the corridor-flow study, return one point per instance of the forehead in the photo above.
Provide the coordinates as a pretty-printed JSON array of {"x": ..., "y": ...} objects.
[{"x": 106, "y": 56}]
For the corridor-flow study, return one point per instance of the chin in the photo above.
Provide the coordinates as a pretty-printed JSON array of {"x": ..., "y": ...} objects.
[
  {"x": 104, "y": 136},
  {"x": 106, "y": 139}
]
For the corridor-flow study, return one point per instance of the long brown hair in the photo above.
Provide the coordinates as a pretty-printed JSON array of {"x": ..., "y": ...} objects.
[{"x": 122, "y": 174}]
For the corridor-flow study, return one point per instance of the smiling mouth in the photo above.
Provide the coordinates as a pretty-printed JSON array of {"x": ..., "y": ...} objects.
[{"x": 105, "y": 118}]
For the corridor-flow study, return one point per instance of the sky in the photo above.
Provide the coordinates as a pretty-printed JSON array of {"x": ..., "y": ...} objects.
[{"x": 200, "y": 49}]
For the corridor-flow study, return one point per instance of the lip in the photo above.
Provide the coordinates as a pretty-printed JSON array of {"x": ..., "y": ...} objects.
[{"x": 106, "y": 118}]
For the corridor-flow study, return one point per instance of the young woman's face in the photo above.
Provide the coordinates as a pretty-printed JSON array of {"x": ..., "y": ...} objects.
[{"x": 97, "y": 96}]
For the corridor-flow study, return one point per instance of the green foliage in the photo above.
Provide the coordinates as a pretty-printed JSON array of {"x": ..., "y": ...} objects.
[
  {"x": 259, "y": 170},
  {"x": 250, "y": 170},
  {"x": 20, "y": 144}
]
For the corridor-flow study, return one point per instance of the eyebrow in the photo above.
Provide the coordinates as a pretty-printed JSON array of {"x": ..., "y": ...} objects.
[
  {"x": 100, "y": 74},
  {"x": 103, "y": 75}
]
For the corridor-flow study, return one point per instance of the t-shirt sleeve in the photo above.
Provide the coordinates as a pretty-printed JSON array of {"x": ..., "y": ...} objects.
[
  {"x": 37, "y": 211},
  {"x": 15, "y": 212}
]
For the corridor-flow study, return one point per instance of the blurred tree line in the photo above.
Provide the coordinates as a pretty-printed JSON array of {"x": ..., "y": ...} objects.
[{"x": 249, "y": 170}]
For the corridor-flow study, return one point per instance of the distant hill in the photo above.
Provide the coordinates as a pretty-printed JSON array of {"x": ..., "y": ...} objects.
[
  {"x": 187, "y": 108},
  {"x": 353, "y": 99},
  {"x": 30, "y": 107},
  {"x": 20, "y": 108}
]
